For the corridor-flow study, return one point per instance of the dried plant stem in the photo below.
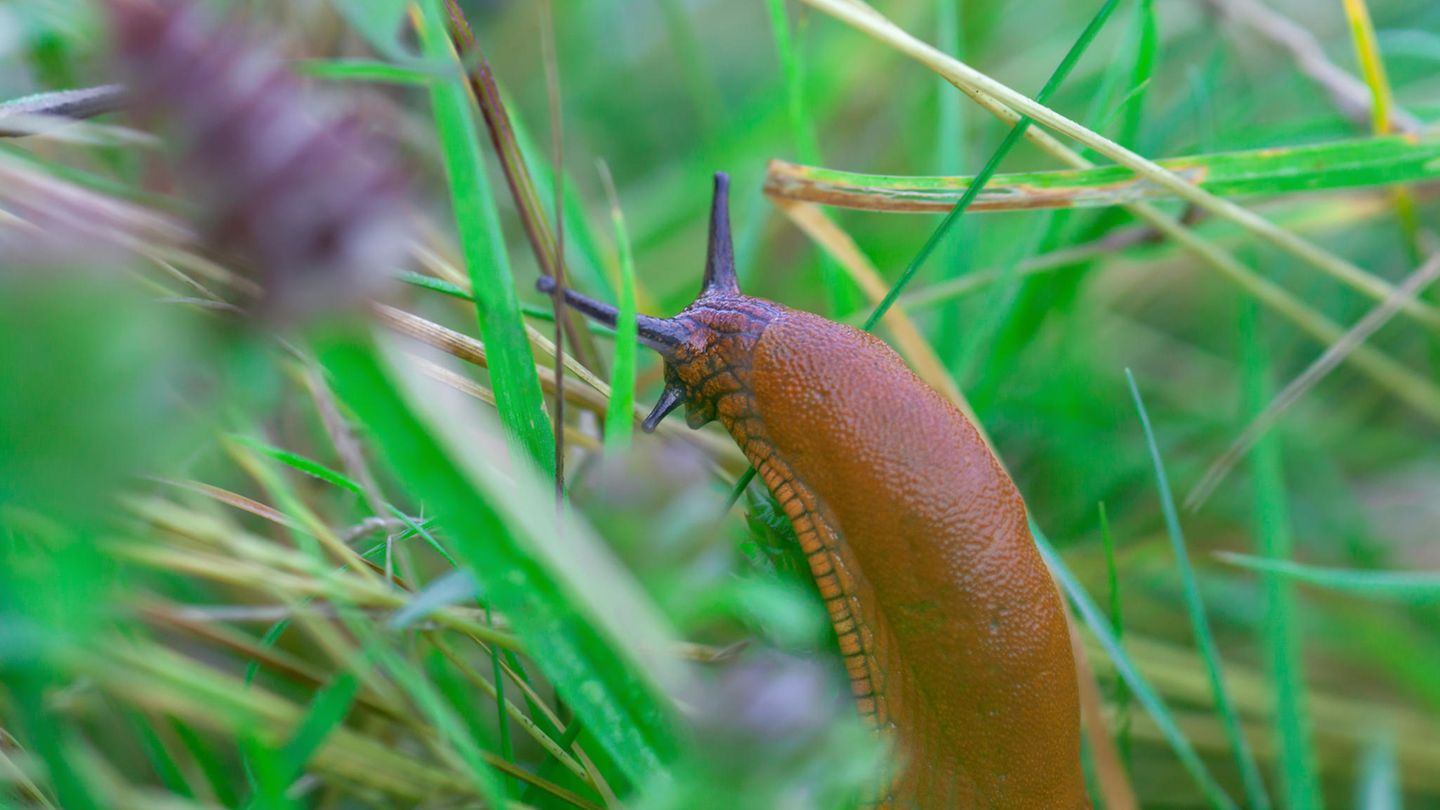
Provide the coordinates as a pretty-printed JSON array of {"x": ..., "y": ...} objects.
[{"x": 1323, "y": 365}]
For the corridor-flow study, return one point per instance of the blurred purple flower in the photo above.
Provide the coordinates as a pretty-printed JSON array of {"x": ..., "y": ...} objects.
[{"x": 305, "y": 200}]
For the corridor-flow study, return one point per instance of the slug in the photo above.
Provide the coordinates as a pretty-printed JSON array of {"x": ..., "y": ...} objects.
[{"x": 950, "y": 628}]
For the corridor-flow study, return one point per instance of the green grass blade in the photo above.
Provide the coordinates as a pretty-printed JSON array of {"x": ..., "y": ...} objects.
[
  {"x": 365, "y": 70},
  {"x": 1299, "y": 784},
  {"x": 318, "y": 470},
  {"x": 1018, "y": 131},
  {"x": 1140, "y": 75},
  {"x": 159, "y": 756},
  {"x": 502, "y": 716},
  {"x": 428, "y": 698},
  {"x": 512, "y": 367},
  {"x": 1117, "y": 623},
  {"x": 1145, "y": 695},
  {"x": 840, "y": 294},
  {"x": 1402, "y": 586},
  {"x": 328, "y": 710},
  {"x": 1349, "y": 164},
  {"x": 215, "y": 771},
  {"x": 1199, "y": 624},
  {"x": 502, "y": 529},
  {"x": 619, "y": 412},
  {"x": 956, "y": 260}
]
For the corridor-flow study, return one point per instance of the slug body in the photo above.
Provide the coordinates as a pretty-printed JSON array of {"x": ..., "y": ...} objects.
[{"x": 952, "y": 632}]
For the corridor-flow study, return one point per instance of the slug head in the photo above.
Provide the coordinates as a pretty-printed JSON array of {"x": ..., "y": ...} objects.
[{"x": 708, "y": 347}]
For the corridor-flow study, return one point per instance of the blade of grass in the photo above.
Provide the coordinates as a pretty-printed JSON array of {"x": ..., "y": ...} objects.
[
  {"x": 619, "y": 413},
  {"x": 1061, "y": 71},
  {"x": 956, "y": 261},
  {"x": 1140, "y": 74},
  {"x": 1299, "y": 782},
  {"x": 1372, "y": 67},
  {"x": 1382, "y": 104},
  {"x": 1350, "y": 164},
  {"x": 1145, "y": 695},
  {"x": 1418, "y": 587},
  {"x": 1199, "y": 624},
  {"x": 1121, "y": 697},
  {"x": 551, "y": 59},
  {"x": 318, "y": 470},
  {"x": 365, "y": 70},
  {"x": 428, "y": 699},
  {"x": 1263, "y": 421},
  {"x": 512, "y": 367},
  {"x": 327, "y": 712},
  {"x": 165, "y": 766},
  {"x": 840, "y": 297}
]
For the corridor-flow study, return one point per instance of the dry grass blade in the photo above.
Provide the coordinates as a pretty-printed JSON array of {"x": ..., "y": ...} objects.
[
  {"x": 235, "y": 500},
  {"x": 52, "y": 215},
  {"x": 85, "y": 102},
  {"x": 1413, "y": 285},
  {"x": 473, "y": 389},
  {"x": 1272, "y": 171},
  {"x": 1010, "y": 105}
]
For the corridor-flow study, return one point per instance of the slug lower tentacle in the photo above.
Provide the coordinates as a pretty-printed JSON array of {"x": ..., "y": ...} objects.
[{"x": 951, "y": 630}]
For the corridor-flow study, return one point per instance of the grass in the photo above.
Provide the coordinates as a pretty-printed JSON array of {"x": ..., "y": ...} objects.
[
  {"x": 1199, "y": 621},
  {"x": 319, "y": 563}
]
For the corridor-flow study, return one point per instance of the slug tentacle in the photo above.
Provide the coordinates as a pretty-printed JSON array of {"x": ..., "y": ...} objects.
[
  {"x": 720, "y": 259},
  {"x": 661, "y": 334},
  {"x": 670, "y": 399}
]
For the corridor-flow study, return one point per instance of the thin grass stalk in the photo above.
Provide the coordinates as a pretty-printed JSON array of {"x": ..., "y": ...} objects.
[
  {"x": 839, "y": 297},
  {"x": 1299, "y": 783},
  {"x": 1199, "y": 623},
  {"x": 1145, "y": 695},
  {"x": 517, "y": 387},
  {"x": 619, "y": 412}
]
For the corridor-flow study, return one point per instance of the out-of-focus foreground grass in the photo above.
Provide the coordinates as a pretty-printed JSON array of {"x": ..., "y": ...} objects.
[{"x": 277, "y": 514}]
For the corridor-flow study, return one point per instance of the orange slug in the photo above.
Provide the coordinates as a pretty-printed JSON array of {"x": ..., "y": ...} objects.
[{"x": 951, "y": 630}]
